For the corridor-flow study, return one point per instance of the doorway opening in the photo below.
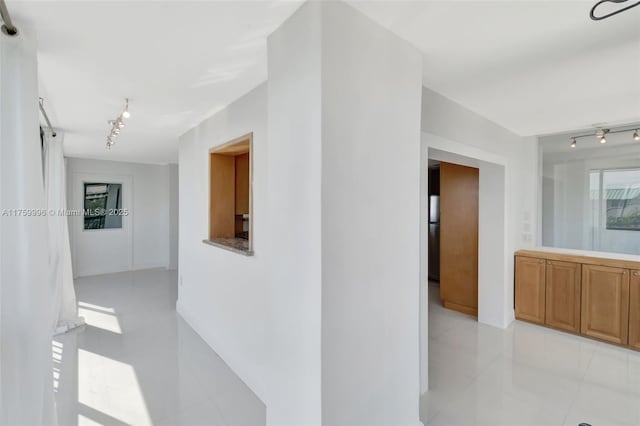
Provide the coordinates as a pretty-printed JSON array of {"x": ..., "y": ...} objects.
[{"x": 493, "y": 283}]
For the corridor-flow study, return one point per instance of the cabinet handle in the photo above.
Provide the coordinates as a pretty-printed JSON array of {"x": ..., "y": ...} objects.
[
  {"x": 541, "y": 261},
  {"x": 636, "y": 273},
  {"x": 549, "y": 263}
]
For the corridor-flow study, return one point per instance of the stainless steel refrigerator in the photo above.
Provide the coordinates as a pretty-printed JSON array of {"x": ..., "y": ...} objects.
[{"x": 434, "y": 237}]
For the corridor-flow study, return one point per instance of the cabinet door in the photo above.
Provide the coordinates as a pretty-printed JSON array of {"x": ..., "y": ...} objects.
[
  {"x": 459, "y": 237},
  {"x": 634, "y": 310},
  {"x": 605, "y": 303},
  {"x": 563, "y": 295},
  {"x": 530, "y": 289}
]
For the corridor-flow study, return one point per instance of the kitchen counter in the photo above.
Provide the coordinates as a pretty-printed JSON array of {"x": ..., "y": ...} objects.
[
  {"x": 236, "y": 245},
  {"x": 620, "y": 260},
  {"x": 593, "y": 294}
]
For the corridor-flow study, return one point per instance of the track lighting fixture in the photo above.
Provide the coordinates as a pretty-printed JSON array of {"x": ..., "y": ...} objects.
[
  {"x": 595, "y": 17},
  {"x": 601, "y": 135},
  {"x": 117, "y": 125}
]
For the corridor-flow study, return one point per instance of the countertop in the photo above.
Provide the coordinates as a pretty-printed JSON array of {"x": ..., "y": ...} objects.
[
  {"x": 591, "y": 257},
  {"x": 236, "y": 245}
]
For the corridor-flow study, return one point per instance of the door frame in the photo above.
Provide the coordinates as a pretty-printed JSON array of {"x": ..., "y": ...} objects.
[{"x": 495, "y": 265}]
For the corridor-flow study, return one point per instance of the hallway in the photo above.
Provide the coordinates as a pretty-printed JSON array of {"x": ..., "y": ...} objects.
[{"x": 138, "y": 363}]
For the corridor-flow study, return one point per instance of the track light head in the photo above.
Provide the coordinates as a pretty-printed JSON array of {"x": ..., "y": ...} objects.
[
  {"x": 601, "y": 134},
  {"x": 573, "y": 143},
  {"x": 636, "y": 136},
  {"x": 118, "y": 124}
]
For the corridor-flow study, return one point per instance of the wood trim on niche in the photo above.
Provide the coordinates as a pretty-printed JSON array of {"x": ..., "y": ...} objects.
[{"x": 227, "y": 187}]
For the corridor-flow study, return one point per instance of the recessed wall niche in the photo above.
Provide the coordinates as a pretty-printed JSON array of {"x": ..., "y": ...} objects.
[{"x": 230, "y": 195}]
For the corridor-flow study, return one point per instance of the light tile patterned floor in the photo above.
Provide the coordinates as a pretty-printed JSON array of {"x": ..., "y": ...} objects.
[
  {"x": 138, "y": 363},
  {"x": 524, "y": 375}
]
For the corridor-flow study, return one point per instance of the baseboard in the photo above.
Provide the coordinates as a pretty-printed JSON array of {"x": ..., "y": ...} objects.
[
  {"x": 461, "y": 308},
  {"x": 139, "y": 267},
  {"x": 149, "y": 265},
  {"x": 102, "y": 272},
  {"x": 184, "y": 315}
]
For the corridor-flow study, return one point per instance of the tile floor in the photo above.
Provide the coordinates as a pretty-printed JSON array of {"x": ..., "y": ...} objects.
[
  {"x": 524, "y": 375},
  {"x": 138, "y": 363}
]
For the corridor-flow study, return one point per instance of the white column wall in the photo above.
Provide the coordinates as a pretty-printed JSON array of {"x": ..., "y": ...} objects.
[
  {"x": 371, "y": 96},
  {"x": 294, "y": 213}
]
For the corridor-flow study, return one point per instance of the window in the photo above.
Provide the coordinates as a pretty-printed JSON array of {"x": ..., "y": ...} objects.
[
  {"x": 103, "y": 206},
  {"x": 591, "y": 194},
  {"x": 621, "y": 198},
  {"x": 230, "y": 196}
]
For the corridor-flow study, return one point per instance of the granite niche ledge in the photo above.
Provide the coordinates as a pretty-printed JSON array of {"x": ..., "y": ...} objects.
[{"x": 236, "y": 245}]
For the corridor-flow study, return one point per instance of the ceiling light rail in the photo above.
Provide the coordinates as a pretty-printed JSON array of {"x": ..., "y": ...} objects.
[
  {"x": 595, "y": 17},
  {"x": 118, "y": 124},
  {"x": 45, "y": 116},
  {"x": 7, "y": 28},
  {"x": 601, "y": 133}
]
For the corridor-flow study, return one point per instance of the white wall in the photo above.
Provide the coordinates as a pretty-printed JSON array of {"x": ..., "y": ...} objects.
[
  {"x": 224, "y": 295},
  {"x": 322, "y": 323},
  {"x": 371, "y": 93},
  {"x": 144, "y": 240},
  {"x": 333, "y": 253}
]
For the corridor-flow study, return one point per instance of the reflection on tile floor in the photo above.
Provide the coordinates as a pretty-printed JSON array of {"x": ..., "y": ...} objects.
[
  {"x": 138, "y": 363},
  {"x": 524, "y": 375}
]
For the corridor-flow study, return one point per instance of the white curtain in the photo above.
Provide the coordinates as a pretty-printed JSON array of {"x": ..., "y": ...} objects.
[
  {"x": 59, "y": 248},
  {"x": 26, "y": 311}
]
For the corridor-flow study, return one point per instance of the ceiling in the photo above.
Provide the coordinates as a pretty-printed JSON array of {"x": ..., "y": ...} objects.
[
  {"x": 177, "y": 61},
  {"x": 534, "y": 67}
]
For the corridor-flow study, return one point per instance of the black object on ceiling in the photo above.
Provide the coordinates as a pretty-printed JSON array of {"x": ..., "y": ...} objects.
[{"x": 615, "y": 12}]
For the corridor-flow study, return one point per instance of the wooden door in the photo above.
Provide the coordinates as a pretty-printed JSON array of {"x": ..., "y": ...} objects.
[
  {"x": 459, "y": 237},
  {"x": 563, "y": 292},
  {"x": 605, "y": 303},
  {"x": 634, "y": 310},
  {"x": 530, "y": 289}
]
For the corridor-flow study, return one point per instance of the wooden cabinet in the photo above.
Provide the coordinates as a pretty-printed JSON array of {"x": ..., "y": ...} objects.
[
  {"x": 634, "y": 310},
  {"x": 459, "y": 237},
  {"x": 594, "y": 296},
  {"x": 563, "y": 286},
  {"x": 605, "y": 303},
  {"x": 530, "y": 289}
]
